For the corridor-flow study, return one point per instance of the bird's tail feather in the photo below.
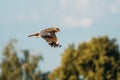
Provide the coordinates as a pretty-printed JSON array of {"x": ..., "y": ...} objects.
[{"x": 33, "y": 35}]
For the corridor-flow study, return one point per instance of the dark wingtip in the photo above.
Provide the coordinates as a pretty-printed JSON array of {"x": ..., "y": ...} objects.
[
  {"x": 60, "y": 46},
  {"x": 55, "y": 45}
]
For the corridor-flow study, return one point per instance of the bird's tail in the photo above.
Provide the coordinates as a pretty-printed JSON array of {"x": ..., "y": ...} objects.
[{"x": 37, "y": 34}]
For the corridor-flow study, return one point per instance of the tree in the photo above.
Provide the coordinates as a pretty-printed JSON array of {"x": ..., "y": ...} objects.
[
  {"x": 14, "y": 67},
  {"x": 98, "y": 59}
]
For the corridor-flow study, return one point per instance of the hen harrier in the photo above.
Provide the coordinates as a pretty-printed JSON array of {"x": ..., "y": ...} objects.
[{"x": 49, "y": 36}]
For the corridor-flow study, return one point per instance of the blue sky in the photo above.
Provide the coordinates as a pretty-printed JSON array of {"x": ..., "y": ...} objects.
[{"x": 79, "y": 21}]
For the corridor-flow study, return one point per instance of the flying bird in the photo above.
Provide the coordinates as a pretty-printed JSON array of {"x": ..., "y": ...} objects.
[{"x": 49, "y": 35}]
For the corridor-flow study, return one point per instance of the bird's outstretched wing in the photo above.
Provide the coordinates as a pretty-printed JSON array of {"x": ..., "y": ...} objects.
[
  {"x": 49, "y": 36},
  {"x": 51, "y": 40}
]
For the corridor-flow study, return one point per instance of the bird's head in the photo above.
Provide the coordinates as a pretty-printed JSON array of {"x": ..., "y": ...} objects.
[{"x": 56, "y": 29}]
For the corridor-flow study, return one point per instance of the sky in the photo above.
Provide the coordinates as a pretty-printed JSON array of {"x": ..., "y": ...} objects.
[{"x": 78, "y": 20}]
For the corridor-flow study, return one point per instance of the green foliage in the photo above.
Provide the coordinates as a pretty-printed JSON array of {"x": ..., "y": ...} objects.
[
  {"x": 14, "y": 67},
  {"x": 98, "y": 59}
]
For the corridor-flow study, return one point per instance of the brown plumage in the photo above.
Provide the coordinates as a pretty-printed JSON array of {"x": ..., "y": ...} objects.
[{"x": 49, "y": 36}]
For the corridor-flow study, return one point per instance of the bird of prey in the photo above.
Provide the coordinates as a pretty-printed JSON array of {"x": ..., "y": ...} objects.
[{"x": 49, "y": 36}]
